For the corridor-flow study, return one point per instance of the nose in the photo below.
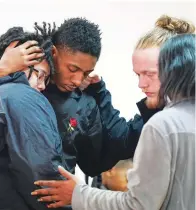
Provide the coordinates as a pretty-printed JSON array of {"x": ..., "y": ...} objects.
[
  {"x": 143, "y": 83},
  {"x": 77, "y": 79},
  {"x": 41, "y": 86}
]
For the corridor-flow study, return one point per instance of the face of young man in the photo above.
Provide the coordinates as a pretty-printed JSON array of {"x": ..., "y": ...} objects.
[
  {"x": 71, "y": 68},
  {"x": 145, "y": 65}
]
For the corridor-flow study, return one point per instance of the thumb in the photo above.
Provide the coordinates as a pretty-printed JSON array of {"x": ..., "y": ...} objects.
[
  {"x": 11, "y": 45},
  {"x": 92, "y": 75},
  {"x": 65, "y": 173}
]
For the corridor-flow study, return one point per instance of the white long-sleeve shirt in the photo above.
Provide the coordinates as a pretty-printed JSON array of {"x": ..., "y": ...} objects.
[{"x": 163, "y": 173}]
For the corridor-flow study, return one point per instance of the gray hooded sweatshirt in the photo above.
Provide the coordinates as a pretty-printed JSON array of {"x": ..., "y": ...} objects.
[{"x": 163, "y": 173}]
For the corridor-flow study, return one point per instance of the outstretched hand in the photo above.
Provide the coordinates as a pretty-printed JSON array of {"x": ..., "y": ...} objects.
[{"x": 58, "y": 192}]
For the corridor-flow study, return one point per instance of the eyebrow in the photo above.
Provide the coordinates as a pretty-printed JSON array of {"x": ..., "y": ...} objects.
[
  {"x": 149, "y": 71},
  {"x": 80, "y": 68},
  {"x": 47, "y": 74},
  {"x": 152, "y": 70}
]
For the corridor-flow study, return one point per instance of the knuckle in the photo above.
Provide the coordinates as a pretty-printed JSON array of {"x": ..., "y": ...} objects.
[
  {"x": 33, "y": 55},
  {"x": 29, "y": 42},
  {"x": 38, "y": 55},
  {"x": 43, "y": 192},
  {"x": 32, "y": 42},
  {"x": 25, "y": 57},
  {"x": 34, "y": 48},
  {"x": 37, "y": 48},
  {"x": 22, "y": 51},
  {"x": 25, "y": 63}
]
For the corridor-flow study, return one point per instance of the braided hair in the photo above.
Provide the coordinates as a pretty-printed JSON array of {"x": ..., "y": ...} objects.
[
  {"x": 18, "y": 34},
  {"x": 75, "y": 34}
]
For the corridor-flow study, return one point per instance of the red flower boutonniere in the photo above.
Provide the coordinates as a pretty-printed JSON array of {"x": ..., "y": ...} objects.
[{"x": 72, "y": 124}]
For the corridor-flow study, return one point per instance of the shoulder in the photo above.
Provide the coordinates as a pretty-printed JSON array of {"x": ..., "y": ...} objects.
[
  {"x": 165, "y": 122},
  {"x": 22, "y": 96}
]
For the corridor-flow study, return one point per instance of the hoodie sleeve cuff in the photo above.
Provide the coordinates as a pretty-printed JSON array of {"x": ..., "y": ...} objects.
[
  {"x": 95, "y": 88},
  {"x": 77, "y": 202}
]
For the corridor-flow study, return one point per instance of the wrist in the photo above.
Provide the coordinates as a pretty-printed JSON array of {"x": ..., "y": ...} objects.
[
  {"x": 93, "y": 89},
  {"x": 4, "y": 70}
]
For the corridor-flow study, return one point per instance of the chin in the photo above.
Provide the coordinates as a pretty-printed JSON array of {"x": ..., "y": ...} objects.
[
  {"x": 38, "y": 89},
  {"x": 62, "y": 89}
]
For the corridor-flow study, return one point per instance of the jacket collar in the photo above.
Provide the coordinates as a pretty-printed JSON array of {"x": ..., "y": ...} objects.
[{"x": 76, "y": 94}]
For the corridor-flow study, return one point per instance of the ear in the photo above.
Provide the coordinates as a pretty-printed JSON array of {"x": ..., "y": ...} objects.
[{"x": 54, "y": 52}]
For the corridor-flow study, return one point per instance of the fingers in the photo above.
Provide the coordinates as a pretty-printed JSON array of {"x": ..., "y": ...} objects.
[
  {"x": 33, "y": 49},
  {"x": 56, "y": 205},
  {"x": 49, "y": 198},
  {"x": 29, "y": 44},
  {"x": 48, "y": 183},
  {"x": 34, "y": 56},
  {"x": 93, "y": 74},
  {"x": 64, "y": 172},
  {"x": 84, "y": 85},
  {"x": 12, "y": 45},
  {"x": 47, "y": 191},
  {"x": 32, "y": 63},
  {"x": 94, "y": 78}
]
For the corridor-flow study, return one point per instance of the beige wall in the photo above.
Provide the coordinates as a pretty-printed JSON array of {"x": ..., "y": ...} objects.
[{"x": 122, "y": 22}]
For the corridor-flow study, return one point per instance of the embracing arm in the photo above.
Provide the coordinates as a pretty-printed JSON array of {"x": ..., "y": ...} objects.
[
  {"x": 18, "y": 58},
  {"x": 119, "y": 136},
  {"x": 148, "y": 181},
  {"x": 33, "y": 140}
]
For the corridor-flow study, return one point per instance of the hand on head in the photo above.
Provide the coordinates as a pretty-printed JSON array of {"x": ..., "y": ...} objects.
[
  {"x": 20, "y": 57},
  {"x": 91, "y": 79}
]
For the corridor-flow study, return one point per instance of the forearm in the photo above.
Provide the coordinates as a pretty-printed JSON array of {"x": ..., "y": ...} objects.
[
  {"x": 119, "y": 136},
  {"x": 111, "y": 121},
  {"x": 151, "y": 170},
  {"x": 87, "y": 198}
]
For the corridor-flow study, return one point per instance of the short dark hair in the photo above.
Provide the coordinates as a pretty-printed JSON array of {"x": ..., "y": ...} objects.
[
  {"x": 18, "y": 34},
  {"x": 79, "y": 34},
  {"x": 177, "y": 68}
]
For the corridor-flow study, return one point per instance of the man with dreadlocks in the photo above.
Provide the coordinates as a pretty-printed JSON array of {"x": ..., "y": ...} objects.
[
  {"x": 30, "y": 145},
  {"x": 77, "y": 47}
]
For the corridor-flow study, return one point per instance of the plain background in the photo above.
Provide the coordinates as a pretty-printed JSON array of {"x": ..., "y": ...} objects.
[{"x": 121, "y": 23}]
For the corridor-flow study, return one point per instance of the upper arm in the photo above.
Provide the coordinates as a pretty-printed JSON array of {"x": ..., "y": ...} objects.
[
  {"x": 34, "y": 144},
  {"x": 32, "y": 131},
  {"x": 149, "y": 179}
]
